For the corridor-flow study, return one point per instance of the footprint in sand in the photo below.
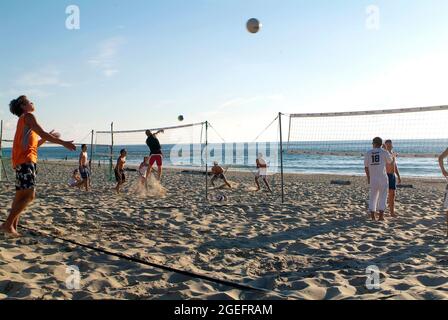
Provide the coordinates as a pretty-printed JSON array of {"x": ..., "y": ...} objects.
[
  {"x": 432, "y": 281},
  {"x": 14, "y": 288},
  {"x": 402, "y": 287},
  {"x": 28, "y": 241}
]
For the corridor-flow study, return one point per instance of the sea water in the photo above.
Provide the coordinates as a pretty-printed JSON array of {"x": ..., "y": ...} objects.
[{"x": 242, "y": 156}]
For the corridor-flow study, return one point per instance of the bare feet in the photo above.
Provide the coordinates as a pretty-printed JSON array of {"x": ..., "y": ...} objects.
[
  {"x": 381, "y": 217},
  {"x": 9, "y": 231},
  {"x": 372, "y": 216}
]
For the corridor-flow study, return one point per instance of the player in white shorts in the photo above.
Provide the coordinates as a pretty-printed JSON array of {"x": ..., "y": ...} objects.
[
  {"x": 375, "y": 162},
  {"x": 442, "y": 158}
]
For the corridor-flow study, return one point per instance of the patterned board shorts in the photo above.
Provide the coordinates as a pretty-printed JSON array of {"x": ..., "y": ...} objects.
[
  {"x": 26, "y": 176},
  {"x": 85, "y": 172},
  {"x": 120, "y": 177}
]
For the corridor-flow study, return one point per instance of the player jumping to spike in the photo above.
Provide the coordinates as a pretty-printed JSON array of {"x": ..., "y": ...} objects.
[
  {"x": 28, "y": 138},
  {"x": 156, "y": 155}
]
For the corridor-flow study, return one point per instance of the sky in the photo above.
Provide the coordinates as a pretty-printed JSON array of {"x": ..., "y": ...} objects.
[{"x": 141, "y": 63}]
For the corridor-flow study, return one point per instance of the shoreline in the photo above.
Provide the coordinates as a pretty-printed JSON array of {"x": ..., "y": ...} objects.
[{"x": 245, "y": 171}]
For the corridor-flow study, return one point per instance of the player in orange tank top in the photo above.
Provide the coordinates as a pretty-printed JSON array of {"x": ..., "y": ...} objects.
[
  {"x": 25, "y": 144},
  {"x": 24, "y": 159}
]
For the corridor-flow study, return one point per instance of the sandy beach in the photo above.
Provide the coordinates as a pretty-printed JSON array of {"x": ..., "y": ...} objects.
[{"x": 315, "y": 246}]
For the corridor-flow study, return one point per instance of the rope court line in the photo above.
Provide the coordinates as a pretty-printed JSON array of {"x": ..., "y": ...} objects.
[{"x": 155, "y": 265}]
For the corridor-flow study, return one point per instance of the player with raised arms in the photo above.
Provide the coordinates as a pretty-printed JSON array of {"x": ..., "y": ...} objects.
[
  {"x": 156, "y": 155},
  {"x": 24, "y": 158}
]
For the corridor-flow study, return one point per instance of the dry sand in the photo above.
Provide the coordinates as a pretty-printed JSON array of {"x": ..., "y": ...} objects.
[{"x": 316, "y": 246}]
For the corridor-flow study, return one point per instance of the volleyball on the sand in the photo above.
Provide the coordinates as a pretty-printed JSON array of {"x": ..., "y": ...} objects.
[
  {"x": 253, "y": 25},
  {"x": 221, "y": 197}
]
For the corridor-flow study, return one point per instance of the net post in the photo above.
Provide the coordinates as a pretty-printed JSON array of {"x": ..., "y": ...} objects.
[
  {"x": 91, "y": 150},
  {"x": 281, "y": 155},
  {"x": 111, "y": 150},
  {"x": 289, "y": 134},
  {"x": 2, "y": 164},
  {"x": 206, "y": 161},
  {"x": 1, "y": 150}
]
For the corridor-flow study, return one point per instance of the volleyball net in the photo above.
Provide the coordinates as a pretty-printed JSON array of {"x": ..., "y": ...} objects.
[
  {"x": 181, "y": 146},
  {"x": 415, "y": 132},
  {"x": 5, "y": 153},
  {"x": 56, "y": 164},
  {"x": 194, "y": 149},
  {"x": 335, "y": 143},
  {"x": 247, "y": 162},
  {"x": 311, "y": 141}
]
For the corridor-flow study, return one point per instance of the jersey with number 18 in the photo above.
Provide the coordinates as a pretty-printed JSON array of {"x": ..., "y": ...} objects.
[{"x": 376, "y": 160}]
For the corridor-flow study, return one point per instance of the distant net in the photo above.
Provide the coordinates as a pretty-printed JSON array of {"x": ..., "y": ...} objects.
[
  {"x": 182, "y": 146},
  {"x": 6, "y": 172},
  {"x": 239, "y": 161},
  {"x": 55, "y": 163},
  {"x": 6, "y": 139},
  {"x": 418, "y": 133}
]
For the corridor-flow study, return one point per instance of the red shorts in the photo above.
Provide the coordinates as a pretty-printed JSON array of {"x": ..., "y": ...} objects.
[{"x": 155, "y": 158}]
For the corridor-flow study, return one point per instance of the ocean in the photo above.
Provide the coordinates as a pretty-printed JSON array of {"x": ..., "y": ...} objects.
[{"x": 241, "y": 156}]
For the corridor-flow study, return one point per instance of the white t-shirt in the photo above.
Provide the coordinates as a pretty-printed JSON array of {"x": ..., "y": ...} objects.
[
  {"x": 143, "y": 169},
  {"x": 376, "y": 160},
  {"x": 262, "y": 171}
]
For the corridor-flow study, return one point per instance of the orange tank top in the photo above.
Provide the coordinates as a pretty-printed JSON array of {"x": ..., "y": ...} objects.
[{"x": 24, "y": 149}]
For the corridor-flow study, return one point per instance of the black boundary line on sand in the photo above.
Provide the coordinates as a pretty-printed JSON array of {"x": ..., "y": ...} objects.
[
  {"x": 155, "y": 265},
  {"x": 199, "y": 205},
  {"x": 212, "y": 206}
]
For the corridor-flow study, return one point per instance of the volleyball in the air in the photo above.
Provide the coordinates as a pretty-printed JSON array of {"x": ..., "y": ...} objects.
[
  {"x": 180, "y": 118},
  {"x": 56, "y": 135},
  {"x": 253, "y": 25}
]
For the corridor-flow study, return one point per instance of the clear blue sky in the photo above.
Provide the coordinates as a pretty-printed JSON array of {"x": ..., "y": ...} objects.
[{"x": 141, "y": 63}]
